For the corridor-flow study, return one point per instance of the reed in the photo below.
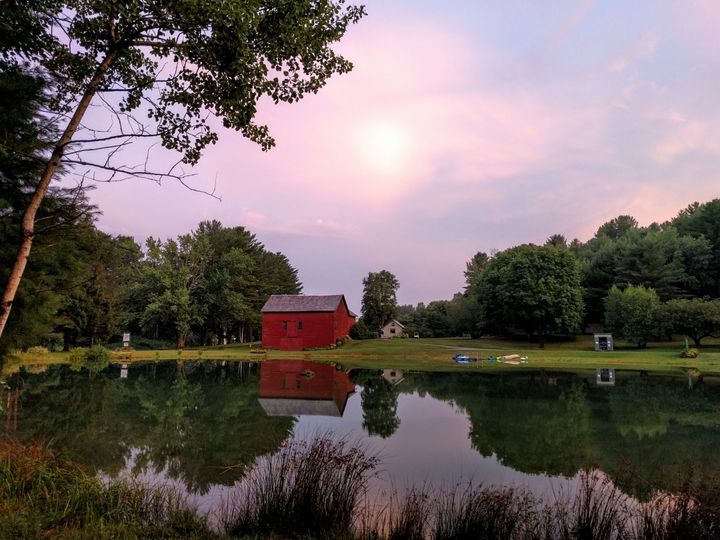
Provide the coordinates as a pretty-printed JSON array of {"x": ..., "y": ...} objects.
[{"x": 306, "y": 489}]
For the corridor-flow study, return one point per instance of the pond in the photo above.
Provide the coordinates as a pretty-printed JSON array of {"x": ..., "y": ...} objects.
[{"x": 200, "y": 425}]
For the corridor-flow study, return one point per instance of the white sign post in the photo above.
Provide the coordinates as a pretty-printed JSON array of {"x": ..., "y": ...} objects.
[{"x": 126, "y": 339}]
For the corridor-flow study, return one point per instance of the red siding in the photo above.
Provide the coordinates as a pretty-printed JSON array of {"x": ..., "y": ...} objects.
[
  {"x": 304, "y": 380},
  {"x": 290, "y": 331}
]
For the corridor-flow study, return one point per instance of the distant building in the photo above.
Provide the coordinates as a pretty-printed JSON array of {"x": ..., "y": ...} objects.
[
  {"x": 603, "y": 342},
  {"x": 292, "y": 387},
  {"x": 392, "y": 329},
  {"x": 392, "y": 376},
  {"x": 296, "y": 322}
]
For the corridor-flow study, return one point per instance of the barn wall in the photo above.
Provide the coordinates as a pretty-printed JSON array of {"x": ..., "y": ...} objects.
[
  {"x": 317, "y": 330},
  {"x": 343, "y": 321}
]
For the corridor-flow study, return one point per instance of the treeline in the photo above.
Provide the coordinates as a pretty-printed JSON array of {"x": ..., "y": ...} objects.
[
  {"x": 85, "y": 287},
  {"x": 641, "y": 283}
]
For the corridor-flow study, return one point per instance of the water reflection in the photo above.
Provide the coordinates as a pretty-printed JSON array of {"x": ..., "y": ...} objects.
[
  {"x": 290, "y": 388},
  {"x": 201, "y": 423}
]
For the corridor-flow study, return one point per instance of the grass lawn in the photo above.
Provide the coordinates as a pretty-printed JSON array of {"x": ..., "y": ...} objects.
[{"x": 436, "y": 355}]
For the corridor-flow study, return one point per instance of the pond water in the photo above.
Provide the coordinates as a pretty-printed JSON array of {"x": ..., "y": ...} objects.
[{"x": 199, "y": 425}]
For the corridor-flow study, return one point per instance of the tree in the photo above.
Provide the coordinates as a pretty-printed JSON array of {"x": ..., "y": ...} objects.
[
  {"x": 533, "y": 289},
  {"x": 697, "y": 318},
  {"x": 632, "y": 313},
  {"x": 703, "y": 221},
  {"x": 185, "y": 61},
  {"x": 618, "y": 227},
  {"x": 379, "y": 303},
  {"x": 556, "y": 240},
  {"x": 172, "y": 276}
]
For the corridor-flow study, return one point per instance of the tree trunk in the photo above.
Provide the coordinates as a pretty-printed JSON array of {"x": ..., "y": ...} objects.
[
  {"x": 181, "y": 341},
  {"x": 28, "y": 221}
]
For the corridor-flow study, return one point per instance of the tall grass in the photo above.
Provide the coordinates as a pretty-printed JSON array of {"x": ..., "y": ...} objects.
[
  {"x": 310, "y": 489},
  {"x": 318, "y": 489},
  {"x": 479, "y": 513},
  {"x": 43, "y": 494}
]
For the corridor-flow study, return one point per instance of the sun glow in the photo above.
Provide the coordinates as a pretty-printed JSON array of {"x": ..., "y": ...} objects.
[{"x": 384, "y": 147}]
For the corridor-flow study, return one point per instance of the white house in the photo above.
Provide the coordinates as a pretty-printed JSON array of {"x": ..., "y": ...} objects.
[{"x": 392, "y": 329}]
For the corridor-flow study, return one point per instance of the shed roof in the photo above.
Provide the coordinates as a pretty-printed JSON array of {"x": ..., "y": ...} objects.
[{"x": 281, "y": 303}]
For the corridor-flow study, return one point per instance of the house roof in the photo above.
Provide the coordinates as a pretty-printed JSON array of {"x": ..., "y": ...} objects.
[
  {"x": 281, "y": 303},
  {"x": 401, "y": 325}
]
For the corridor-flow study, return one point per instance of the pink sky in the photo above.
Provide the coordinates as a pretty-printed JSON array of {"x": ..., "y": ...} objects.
[{"x": 464, "y": 127}]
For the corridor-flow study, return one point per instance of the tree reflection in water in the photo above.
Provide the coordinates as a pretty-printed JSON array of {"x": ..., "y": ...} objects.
[{"x": 201, "y": 425}]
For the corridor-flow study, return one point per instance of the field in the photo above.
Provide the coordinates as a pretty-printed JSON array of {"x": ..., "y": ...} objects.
[{"x": 436, "y": 355}]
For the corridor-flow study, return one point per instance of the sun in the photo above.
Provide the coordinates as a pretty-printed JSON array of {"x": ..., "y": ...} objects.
[{"x": 384, "y": 147}]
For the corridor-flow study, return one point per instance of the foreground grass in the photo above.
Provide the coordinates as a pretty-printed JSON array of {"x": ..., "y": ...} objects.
[
  {"x": 436, "y": 355},
  {"x": 44, "y": 495},
  {"x": 317, "y": 490}
]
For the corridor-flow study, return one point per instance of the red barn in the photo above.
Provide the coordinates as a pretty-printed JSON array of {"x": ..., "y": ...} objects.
[
  {"x": 295, "y": 322},
  {"x": 291, "y": 387}
]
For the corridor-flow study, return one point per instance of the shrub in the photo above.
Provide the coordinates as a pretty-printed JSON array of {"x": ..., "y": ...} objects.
[
  {"x": 690, "y": 353},
  {"x": 77, "y": 358},
  {"x": 39, "y": 349},
  {"x": 95, "y": 358}
]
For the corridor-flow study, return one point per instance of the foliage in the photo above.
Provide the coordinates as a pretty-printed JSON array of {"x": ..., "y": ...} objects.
[
  {"x": 532, "y": 289},
  {"x": 379, "y": 302},
  {"x": 211, "y": 282},
  {"x": 632, "y": 313},
  {"x": 702, "y": 222},
  {"x": 361, "y": 331},
  {"x": 226, "y": 58},
  {"x": 690, "y": 353},
  {"x": 696, "y": 318}
]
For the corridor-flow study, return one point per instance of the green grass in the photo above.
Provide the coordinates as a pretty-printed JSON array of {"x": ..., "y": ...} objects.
[
  {"x": 42, "y": 494},
  {"x": 436, "y": 355}
]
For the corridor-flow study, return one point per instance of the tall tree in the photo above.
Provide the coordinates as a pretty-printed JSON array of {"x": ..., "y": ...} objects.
[
  {"x": 532, "y": 289},
  {"x": 379, "y": 301},
  {"x": 62, "y": 222},
  {"x": 632, "y": 313},
  {"x": 184, "y": 61},
  {"x": 173, "y": 274},
  {"x": 703, "y": 221}
]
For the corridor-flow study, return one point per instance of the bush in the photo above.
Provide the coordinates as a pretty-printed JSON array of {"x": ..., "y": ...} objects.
[
  {"x": 95, "y": 358},
  {"x": 39, "y": 349},
  {"x": 77, "y": 358},
  {"x": 690, "y": 353}
]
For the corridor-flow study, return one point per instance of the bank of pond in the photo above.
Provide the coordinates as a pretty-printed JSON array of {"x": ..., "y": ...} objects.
[{"x": 457, "y": 448}]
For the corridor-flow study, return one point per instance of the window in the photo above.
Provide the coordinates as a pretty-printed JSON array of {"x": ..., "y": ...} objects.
[
  {"x": 284, "y": 325},
  {"x": 299, "y": 325},
  {"x": 392, "y": 330}
]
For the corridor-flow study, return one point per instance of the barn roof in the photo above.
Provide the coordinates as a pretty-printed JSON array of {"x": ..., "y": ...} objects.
[{"x": 280, "y": 303}]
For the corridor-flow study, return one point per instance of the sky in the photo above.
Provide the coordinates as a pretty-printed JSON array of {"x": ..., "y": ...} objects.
[{"x": 463, "y": 127}]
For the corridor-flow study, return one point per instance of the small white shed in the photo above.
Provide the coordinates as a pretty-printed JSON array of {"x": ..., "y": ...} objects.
[{"x": 603, "y": 342}]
